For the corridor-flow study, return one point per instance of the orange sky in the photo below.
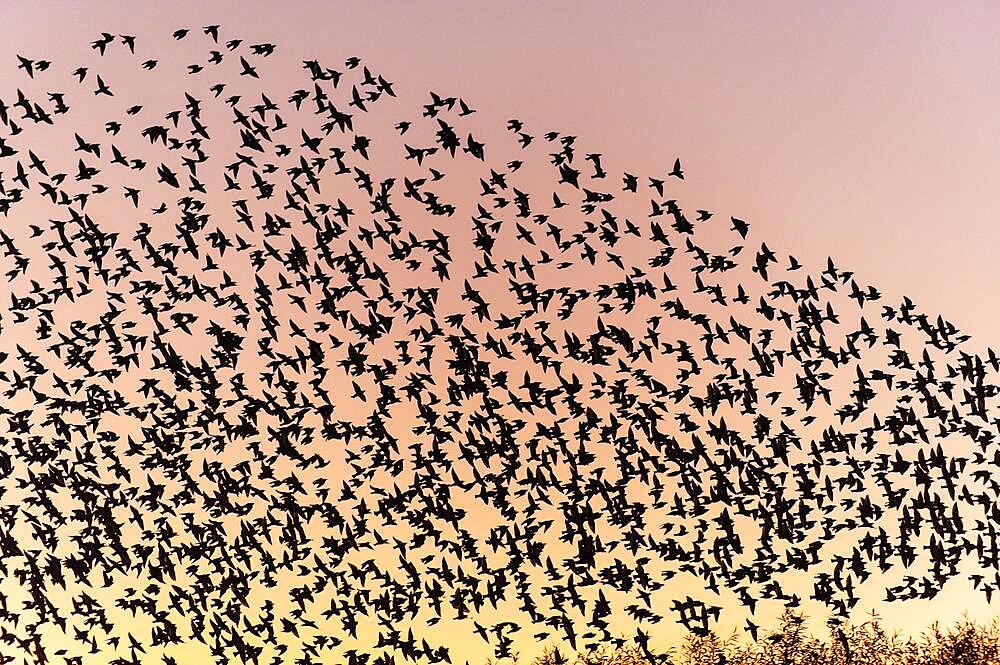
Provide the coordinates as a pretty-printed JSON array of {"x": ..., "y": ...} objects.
[{"x": 867, "y": 134}]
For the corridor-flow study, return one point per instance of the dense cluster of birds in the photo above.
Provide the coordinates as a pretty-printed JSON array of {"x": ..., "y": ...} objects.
[{"x": 302, "y": 373}]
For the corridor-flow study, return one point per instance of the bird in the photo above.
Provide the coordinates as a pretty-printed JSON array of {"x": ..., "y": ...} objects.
[{"x": 282, "y": 382}]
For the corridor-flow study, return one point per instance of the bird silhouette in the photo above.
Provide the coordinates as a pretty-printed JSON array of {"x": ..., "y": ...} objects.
[{"x": 303, "y": 390}]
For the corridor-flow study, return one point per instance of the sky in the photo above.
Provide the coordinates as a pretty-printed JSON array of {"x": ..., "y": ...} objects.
[{"x": 865, "y": 133}]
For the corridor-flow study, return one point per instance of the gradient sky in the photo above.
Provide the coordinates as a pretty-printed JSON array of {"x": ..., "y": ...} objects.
[
  {"x": 865, "y": 130},
  {"x": 868, "y": 134}
]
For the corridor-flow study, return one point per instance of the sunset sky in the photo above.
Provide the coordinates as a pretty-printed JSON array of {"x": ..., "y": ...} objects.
[
  {"x": 859, "y": 130},
  {"x": 866, "y": 133}
]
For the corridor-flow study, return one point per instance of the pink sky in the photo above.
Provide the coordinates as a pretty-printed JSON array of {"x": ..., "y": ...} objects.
[
  {"x": 867, "y": 134},
  {"x": 866, "y": 131}
]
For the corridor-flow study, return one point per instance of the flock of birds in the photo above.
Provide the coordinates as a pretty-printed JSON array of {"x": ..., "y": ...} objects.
[{"x": 302, "y": 375}]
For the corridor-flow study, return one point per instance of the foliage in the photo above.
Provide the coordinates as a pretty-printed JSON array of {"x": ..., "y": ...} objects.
[{"x": 867, "y": 643}]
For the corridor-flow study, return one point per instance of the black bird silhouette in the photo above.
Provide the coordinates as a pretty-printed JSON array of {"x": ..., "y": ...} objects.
[{"x": 320, "y": 402}]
